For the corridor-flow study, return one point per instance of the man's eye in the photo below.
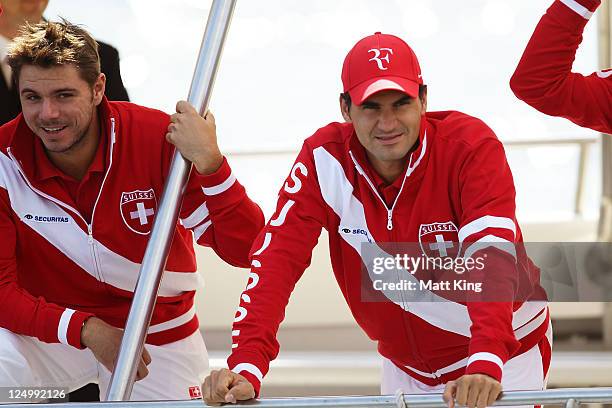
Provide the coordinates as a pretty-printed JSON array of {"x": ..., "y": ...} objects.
[
  {"x": 64, "y": 95},
  {"x": 32, "y": 98}
]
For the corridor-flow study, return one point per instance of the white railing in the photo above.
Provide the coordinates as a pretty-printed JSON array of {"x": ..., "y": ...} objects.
[{"x": 569, "y": 397}]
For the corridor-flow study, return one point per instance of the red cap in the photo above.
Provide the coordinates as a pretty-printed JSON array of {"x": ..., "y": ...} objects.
[{"x": 379, "y": 62}]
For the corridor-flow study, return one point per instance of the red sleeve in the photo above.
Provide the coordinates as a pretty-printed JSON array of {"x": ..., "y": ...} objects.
[
  {"x": 221, "y": 215},
  {"x": 488, "y": 229},
  {"x": 543, "y": 77},
  {"x": 26, "y": 314},
  {"x": 282, "y": 252}
]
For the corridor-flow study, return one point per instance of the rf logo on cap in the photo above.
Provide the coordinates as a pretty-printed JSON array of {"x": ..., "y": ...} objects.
[{"x": 379, "y": 60}]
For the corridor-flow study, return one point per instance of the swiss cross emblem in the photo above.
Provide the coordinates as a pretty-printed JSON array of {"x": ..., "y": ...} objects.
[
  {"x": 195, "y": 393},
  {"x": 439, "y": 239},
  {"x": 138, "y": 209}
]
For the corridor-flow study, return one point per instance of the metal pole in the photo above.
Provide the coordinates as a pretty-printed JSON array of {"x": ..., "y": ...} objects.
[
  {"x": 158, "y": 247},
  {"x": 562, "y": 396}
]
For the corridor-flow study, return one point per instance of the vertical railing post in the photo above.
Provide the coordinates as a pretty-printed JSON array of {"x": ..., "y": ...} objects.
[{"x": 154, "y": 261}]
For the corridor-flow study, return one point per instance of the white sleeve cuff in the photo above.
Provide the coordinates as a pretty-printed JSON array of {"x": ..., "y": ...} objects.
[
  {"x": 486, "y": 357},
  {"x": 578, "y": 8},
  {"x": 219, "y": 188},
  {"x": 62, "y": 328},
  {"x": 251, "y": 368}
]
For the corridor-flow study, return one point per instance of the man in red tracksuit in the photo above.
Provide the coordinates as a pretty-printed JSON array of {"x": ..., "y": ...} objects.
[
  {"x": 80, "y": 183},
  {"x": 543, "y": 77},
  {"x": 395, "y": 173}
]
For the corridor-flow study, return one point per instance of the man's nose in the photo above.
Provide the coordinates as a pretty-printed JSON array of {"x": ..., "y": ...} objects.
[
  {"x": 387, "y": 122},
  {"x": 49, "y": 110}
]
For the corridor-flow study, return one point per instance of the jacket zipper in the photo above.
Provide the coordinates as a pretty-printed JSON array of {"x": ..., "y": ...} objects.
[
  {"x": 90, "y": 238},
  {"x": 391, "y": 234},
  {"x": 389, "y": 210},
  {"x": 409, "y": 171},
  {"x": 92, "y": 242}
]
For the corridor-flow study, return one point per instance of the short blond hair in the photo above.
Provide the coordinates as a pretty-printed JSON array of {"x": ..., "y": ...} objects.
[{"x": 49, "y": 44}]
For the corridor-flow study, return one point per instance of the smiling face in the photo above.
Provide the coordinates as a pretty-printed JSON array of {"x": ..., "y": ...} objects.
[
  {"x": 387, "y": 124},
  {"x": 59, "y": 106}
]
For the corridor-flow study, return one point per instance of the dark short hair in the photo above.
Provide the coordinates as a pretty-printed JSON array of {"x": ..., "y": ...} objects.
[
  {"x": 47, "y": 44},
  {"x": 347, "y": 97}
]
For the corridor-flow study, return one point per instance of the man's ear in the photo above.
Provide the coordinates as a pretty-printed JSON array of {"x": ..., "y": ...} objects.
[
  {"x": 344, "y": 109},
  {"x": 99, "y": 88},
  {"x": 424, "y": 101}
]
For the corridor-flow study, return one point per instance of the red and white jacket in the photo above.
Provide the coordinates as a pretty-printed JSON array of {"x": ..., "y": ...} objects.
[
  {"x": 457, "y": 177},
  {"x": 57, "y": 269},
  {"x": 544, "y": 80}
]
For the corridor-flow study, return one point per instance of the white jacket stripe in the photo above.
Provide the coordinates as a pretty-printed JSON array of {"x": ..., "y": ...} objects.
[
  {"x": 412, "y": 167},
  {"x": 482, "y": 223},
  {"x": 526, "y": 312},
  {"x": 444, "y": 370},
  {"x": 62, "y": 327},
  {"x": 491, "y": 241},
  {"x": 76, "y": 245},
  {"x": 196, "y": 217},
  {"x": 219, "y": 188},
  {"x": 519, "y": 334},
  {"x": 483, "y": 356},
  {"x": 201, "y": 229},
  {"x": 172, "y": 323},
  {"x": 280, "y": 220},
  {"x": 266, "y": 243},
  {"x": 578, "y": 8},
  {"x": 337, "y": 192},
  {"x": 251, "y": 368},
  {"x": 531, "y": 326},
  {"x": 604, "y": 73}
]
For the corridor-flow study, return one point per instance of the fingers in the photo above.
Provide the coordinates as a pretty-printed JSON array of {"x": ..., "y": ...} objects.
[
  {"x": 146, "y": 356},
  {"x": 461, "y": 396},
  {"x": 184, "y": 107},
  {"x": 221, "y": 381},
  {"x": 224, "y": 386},
  {"x": 449, "y": 394},
  {"x": 483, "y": 397},
  {"x": 207, "y": 392},
  {"x": 216, "y": 386},
  {"x": 143, "y": 371},
  {"x": 494, "y": 394},
  {"x": 210, "y": 117},
  {"x": 243, "y": 390},
  {"x": 473, "y": 391}
]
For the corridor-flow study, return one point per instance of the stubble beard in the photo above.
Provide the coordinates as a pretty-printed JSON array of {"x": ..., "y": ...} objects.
[{"x": 77, "y": 141}]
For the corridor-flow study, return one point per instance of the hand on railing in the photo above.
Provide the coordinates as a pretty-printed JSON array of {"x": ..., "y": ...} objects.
[
  {"x": 472, "y": 390},
  {"x": 225, "y": 386}
]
